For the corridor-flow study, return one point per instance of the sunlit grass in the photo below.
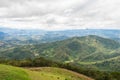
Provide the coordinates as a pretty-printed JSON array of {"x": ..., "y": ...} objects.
[{"x": 46, "y": 73}]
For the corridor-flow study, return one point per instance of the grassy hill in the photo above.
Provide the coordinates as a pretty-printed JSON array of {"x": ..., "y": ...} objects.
[
  {"x": 47, "y": 73},
  {"x": 12, "y": 73}
]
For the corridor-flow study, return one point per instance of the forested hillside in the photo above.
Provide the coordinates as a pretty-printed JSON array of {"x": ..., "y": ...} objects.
[{"x": 80, "y": 50}]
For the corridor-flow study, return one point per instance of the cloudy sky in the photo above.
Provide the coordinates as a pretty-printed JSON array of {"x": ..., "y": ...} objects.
[{"x": 60, "y": 14}]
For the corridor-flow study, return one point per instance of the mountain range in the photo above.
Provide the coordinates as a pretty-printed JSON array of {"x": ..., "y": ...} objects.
[{"x": 86, "y": 50}]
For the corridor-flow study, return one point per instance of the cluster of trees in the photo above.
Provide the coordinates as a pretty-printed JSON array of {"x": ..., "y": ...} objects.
[
  {"x": 114, "y": 65},
  {"x": 42, "y": 62}
]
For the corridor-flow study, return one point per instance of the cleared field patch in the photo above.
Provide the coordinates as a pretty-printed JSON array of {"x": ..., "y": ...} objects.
[{"x": 48, "y": 73}]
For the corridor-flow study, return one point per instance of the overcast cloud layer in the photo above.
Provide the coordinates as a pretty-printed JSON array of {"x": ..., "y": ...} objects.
[{"x": 60, "y": 14}]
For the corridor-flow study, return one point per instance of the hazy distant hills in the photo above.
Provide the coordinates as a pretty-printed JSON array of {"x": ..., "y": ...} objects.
[
  {"x": 2, "y": 35},
  {"x": 90, "y": 49},
  {"x": 22, "y": 37}
]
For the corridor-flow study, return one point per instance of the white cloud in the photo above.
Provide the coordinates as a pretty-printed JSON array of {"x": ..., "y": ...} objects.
[{"x": 60, "y": 14}]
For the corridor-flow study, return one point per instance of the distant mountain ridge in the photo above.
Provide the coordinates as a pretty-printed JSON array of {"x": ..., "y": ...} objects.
[
  {"x": 2, "y": 35},
  {"x": 18, "y": 37}
]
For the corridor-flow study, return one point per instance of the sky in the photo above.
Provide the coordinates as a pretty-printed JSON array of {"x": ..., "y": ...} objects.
[{"x": 60, "y": 14}]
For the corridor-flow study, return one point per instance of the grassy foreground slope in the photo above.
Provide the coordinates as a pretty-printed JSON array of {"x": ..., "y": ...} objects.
[{"x": 14, "y": 73}]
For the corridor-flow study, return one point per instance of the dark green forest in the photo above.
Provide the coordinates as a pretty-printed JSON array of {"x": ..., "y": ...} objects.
[{"x": 42, "y": 62}]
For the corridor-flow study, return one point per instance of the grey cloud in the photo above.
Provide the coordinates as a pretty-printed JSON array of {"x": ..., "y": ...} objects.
[
  {"x": 19, "y": 8},
  {"x": 87, "y": 4},
  {"x": 28, "y": 8},
  {"x": 51, "y": 22},
  {"x": 77, "y": 13}
]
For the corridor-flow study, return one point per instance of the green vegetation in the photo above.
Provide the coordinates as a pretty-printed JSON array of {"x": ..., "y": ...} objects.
[
  {"x": 80, "y": 50},
  {"x": 113, "y": 64},
  {"x": 48, "y": 73},
  {"x": 14, "y": 73},
  {"x": 91, "y": 55},
  {"x": 42, "y": 62}
]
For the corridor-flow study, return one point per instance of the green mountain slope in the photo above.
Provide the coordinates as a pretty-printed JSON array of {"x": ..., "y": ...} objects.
[
  {"x": 14, "y": 73},
  {"x": 112, "y": 64},
  {"x": 87, "y": 49}
]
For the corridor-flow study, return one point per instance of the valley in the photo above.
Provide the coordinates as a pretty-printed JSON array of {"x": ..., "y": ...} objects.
[
  {"x": 69, "y": 48},
  {"x": 93, "y": 50}
]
